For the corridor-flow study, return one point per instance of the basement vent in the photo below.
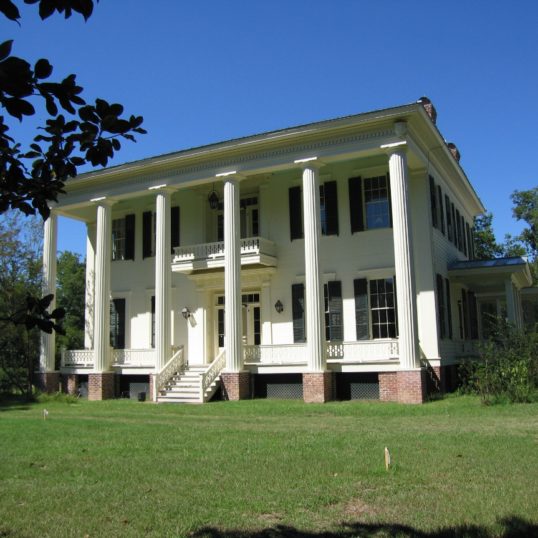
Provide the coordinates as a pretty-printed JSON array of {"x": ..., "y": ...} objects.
[
  {"x": 281, "y": 386},
  {"x": 357, "y": 386}
]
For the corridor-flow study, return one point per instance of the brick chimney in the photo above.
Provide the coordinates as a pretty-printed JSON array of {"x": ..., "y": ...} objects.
[
  {"x": 454, "y": 150},
  {"x": 429, "y": 108}
]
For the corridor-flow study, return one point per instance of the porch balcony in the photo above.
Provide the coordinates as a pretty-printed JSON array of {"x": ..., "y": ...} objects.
[
  {"x": 254, "y": 251},
  {"x": 122, "y": 359}
]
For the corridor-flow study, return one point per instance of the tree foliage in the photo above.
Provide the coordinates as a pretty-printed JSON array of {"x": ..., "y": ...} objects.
[{"x": 76, "y": 133}]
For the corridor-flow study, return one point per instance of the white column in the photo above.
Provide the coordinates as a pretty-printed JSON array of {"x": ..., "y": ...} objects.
[
  {"x": 162, "y": 279},
  {"x": 403, "y": 259},
  {"x": 90, "y": 286},
  {"x": 315, "y": 331},
  {"x": 50, "y": 238},
  {"x": 232, "y": 277},
  {"x": 101, "y": 323}
]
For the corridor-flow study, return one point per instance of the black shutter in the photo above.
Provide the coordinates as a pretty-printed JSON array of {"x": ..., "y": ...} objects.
[
  {"x": 356, "y": 214},
  {"x": 296, "y": 214},
  {"x": 129, "y": 237},
  {"x": 433, "y": 202},
  {"x": 454, "y": 226},
  {"x": 175, "y": 227},
  {"x": 362, "y": 318},
  {"x": 117, "y": 323},
  {"x": 153, "y": 321},
  {"x": 441, "y": 210},
  {"x": 459, "y": 242},
  {"x": 331, "y": 207},
  {"x": 389, "y": 200},
  {"x": 297, "y": 307},
  {"x": 146, "y": 234},
  {"x": 336, "y": 324},
  {"x": 449, "y": 231},
  {"x": 448, "y": 307}
]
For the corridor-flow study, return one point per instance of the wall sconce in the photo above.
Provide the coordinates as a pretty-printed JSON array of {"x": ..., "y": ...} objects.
[
  {"x": 279, "y": 307},
  {"x": 186, "y": 313},
  {"x": 213, "y": 198}
]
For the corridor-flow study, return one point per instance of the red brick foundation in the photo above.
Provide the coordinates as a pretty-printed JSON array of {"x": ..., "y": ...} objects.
[
  {"x": 403, "y": 386},
  {"x": 411, "y": 386},
  {"x": 235, "y": 385},
  {"x": 70, "y": 383},
  {"x": 388, "y": 387},
  {"x": 318, "y": 387},
  {"x": 101, "y": 386},
  {"x": 48, "y": 382}
]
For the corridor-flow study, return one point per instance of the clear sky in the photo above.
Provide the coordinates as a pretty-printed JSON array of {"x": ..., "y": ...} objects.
[{"x": 209, "y": 70}]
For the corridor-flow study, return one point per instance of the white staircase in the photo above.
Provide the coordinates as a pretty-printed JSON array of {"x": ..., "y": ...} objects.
[{"x": 186, "y": 387}]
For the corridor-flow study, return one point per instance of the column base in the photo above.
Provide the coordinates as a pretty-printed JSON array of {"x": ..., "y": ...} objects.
[
  {"x": 411, "y": 386},
  {"x": 318, "y": 387},
  {"x": 150, "y": 390},
  {"x": 101, "y": 386},
  {"x": 235, "y": 385},
  {"x": 48, "y": 382},
  {"x": 388, "y": 386},
  {"x": 70, "y": 383}
]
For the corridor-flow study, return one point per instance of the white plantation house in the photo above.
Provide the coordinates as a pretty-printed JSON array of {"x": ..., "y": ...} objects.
[{"x": 327, "y": 261}]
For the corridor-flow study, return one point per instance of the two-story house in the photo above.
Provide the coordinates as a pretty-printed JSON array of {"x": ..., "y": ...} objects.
[{"x": 329, "y": 260}]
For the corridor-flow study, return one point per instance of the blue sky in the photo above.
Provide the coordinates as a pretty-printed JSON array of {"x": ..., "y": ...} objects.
[{"x": 212, "y": 70}]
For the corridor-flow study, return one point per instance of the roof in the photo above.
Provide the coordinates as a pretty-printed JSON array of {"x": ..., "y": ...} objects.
[{"x": 495, "y": 262}]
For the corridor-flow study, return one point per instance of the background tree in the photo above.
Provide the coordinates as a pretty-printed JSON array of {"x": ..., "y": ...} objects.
[
  {"x": 525, "y": 209},
  {"x": 76, "y": 133},
  {"x": 486, "y": 246},
  {"x": 71, "y": 276}
]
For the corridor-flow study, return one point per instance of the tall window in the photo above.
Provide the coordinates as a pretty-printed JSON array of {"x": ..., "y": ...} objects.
[
  {"x": 123, "y": 236},
  {"x": 117, "y": 323},
  {"x": 369, "y": 203},
  {"x": 375, "y": 308},
  {"x": 298, "y": 313},
  {"x": 334, "y": 323}
]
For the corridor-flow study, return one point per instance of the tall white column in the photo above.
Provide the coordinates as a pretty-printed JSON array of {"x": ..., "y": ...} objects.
[
  {"x": 403, "y": 259},
  {"x": 50, "y": 238},
  {"x": 315, "y": 332},
  {"x": 90, "y": 286},
  {"x": 232, "y": 277},
  {"x": 163, "y": 270},
  {"x": 101, "y": 323}
]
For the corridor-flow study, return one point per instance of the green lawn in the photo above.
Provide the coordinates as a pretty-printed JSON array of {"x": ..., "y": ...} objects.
[{"x": 268, "y": 468}]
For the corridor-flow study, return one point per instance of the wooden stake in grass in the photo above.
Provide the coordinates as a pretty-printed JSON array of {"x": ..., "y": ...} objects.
[{"x": 387, "y": 459}]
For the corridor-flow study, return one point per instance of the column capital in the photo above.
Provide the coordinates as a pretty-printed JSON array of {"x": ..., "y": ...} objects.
[
  {"x": 233, "y": 175},
  {"x": 309, "y": 162},
  {"x": 103, "y": 201},
  {"x": 395, "y": 147}
]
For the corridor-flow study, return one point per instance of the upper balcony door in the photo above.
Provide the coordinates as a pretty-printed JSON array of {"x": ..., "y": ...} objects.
[{"x": 249, "y": 218}]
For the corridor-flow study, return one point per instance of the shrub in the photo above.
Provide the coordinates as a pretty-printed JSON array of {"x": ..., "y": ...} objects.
[{"x": 506, "y": 368}]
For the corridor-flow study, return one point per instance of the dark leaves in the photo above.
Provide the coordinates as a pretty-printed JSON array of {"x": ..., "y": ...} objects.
[
  {"x": 42, "y": 69},
  {"x": 65, "y": 7},
  {"x": 5, "y": 49},
  {"x": 9, "y": 10}
]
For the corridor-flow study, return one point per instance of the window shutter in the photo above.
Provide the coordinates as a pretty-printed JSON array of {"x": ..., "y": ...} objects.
[
  {"x": 449, "y": 233},
  {"x": 297, "y": 307},
  {"x": 296, "y": 213},
  {"x": 117, "y": 323},
  {"x": 336, "y": 326},
  {"x": 355, "y": 204},
  {"x": 175, "y": 223},
  {"x": 362, "y": 318},
  {"x": 459, "y": 242},
  {"x": 441, "y": 210},
  {"x": 129, "y": 237},
  {"x": 433, "y": 202},
  {"x": 448, "y": 307},
  {"x": 146, "y": 234},
  {"x": 153, "y": 321},
  {"x": 389, "y": 199},
  {"x": 331, "y": 207},
  {"x": 454, "y": 226}
]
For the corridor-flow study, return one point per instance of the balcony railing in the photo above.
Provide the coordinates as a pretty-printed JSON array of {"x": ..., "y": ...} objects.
[
  {"x": 77, "y": 358},
  {"x": 84, "y": 358},
  {"x": 356, "y": 352},
  {"x": 207, "y": 255}
]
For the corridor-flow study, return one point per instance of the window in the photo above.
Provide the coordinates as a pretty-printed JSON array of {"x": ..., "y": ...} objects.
[
  {"x": 375, "y": 308},
  {"x": 328, "y": 210},
  {"x": 123, "y": 235},
  {"x": 149, "y": 231},
  {"x": 433, "y": 203},
  {"x": 449, "y": 222},
  {"x": 117, "y": 323},
  {"x": 441, "y": 210},
  {"x": 369, "y": 203},
  {"x": 459, "y": 242},
  {"x": 441, "y": 309},
  {"x": 298, "y": 313},
  {"x": 334, "y": 323}
]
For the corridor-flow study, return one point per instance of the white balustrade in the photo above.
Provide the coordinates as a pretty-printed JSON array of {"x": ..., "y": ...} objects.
[
  {"x": 211, "y": 373},
  {"x": 276, "y": 354},
  {"x": 173, "y": 366},
  {"x": 215, "y": 251},
  {"x": 133, "y": 357},
  {"x": 366, "y": 351},
  {"x": 77, "y": 358}
]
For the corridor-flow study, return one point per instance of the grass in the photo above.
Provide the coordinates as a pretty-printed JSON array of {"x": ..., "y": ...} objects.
[{"x": 122, "y": 468}]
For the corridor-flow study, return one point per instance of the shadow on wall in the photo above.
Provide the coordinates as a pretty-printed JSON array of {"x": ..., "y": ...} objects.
[{"x": 513, "y": 527}]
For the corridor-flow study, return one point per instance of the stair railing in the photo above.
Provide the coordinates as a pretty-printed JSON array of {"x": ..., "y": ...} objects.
[
  {"x": 174, "y": 365},
  {"x": 208, "y": 376}
]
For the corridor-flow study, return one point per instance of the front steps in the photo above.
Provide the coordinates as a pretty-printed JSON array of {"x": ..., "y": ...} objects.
[{"x": 186, "y": 387}]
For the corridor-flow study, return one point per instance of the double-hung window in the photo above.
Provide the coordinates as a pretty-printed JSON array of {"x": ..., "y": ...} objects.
[
  {"x": 123, "y": 238},
  {"x": 375, "y": 308},
  {"x": 117, "y": 323},
  {"x": 369, "y": 203}
]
